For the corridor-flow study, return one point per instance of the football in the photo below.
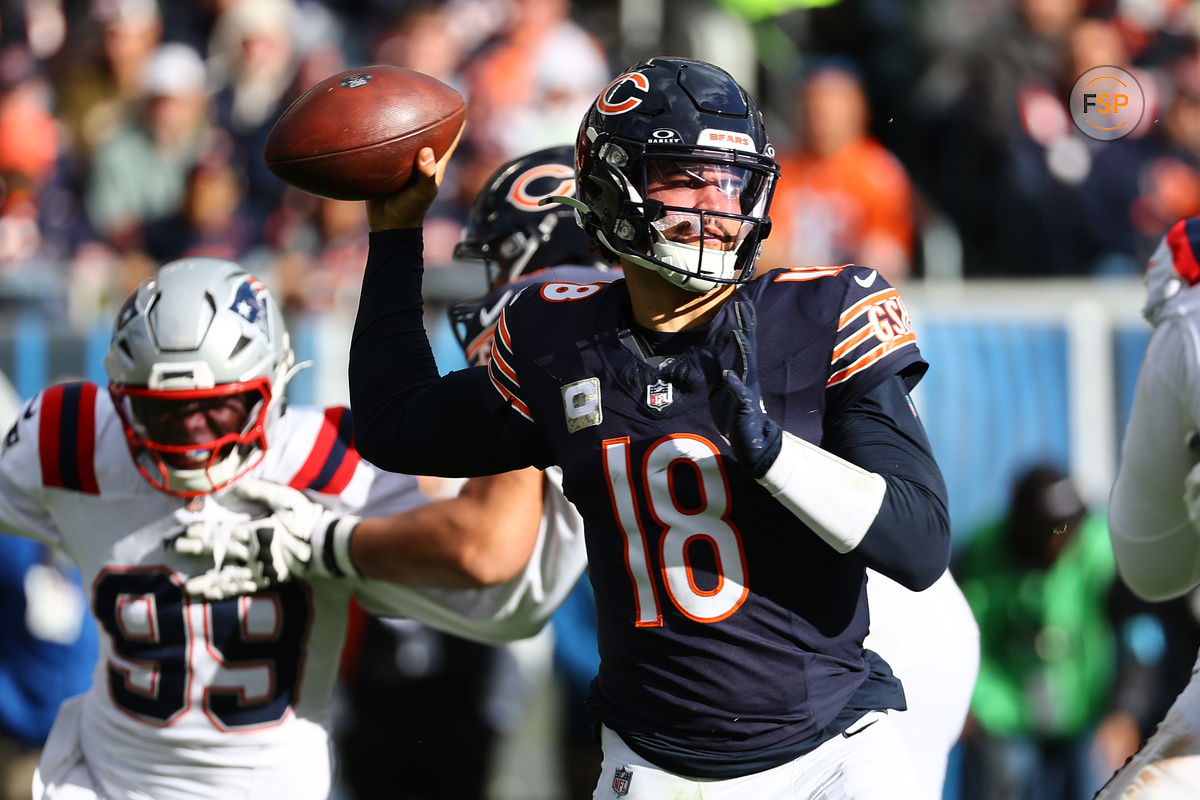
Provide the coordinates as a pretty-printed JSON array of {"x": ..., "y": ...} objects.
[{"x": 355, "y": 134}]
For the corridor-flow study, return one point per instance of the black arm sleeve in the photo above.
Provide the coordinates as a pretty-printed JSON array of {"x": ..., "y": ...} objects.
[
  {"x": 909, "y": 541},
  {"x": 406, "y": 417}
]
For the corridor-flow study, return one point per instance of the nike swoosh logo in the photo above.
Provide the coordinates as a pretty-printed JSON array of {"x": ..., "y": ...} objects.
[
  {"x": 850, "y": 733},
  {"x": 867, "y": 281},
  {"x": 488, "y": 316}
]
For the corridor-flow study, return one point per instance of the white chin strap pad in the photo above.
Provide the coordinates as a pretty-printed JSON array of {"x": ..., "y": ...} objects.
[
  {"x": 835, "y": 498},
  {"x": 204, "y": 480}
]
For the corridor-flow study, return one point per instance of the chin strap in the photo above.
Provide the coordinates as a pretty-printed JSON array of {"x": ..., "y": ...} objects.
[{"x": 835, "y": 498}]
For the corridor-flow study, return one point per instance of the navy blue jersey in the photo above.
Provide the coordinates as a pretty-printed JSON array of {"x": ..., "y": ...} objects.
[
  {"x": 474, "y": 321},
  {"x": 711, "y": 596},
  {"x": 729, "y": 633}
]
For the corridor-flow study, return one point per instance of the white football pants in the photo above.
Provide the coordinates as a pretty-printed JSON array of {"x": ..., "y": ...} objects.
[{"x": 871, "y": 763}]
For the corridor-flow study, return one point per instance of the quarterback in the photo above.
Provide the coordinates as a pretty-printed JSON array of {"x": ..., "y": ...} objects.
[
  {"x": 216, "y": 682},
  {"x": 930, "y": 638},
  {"x": 740, "y": 448}
]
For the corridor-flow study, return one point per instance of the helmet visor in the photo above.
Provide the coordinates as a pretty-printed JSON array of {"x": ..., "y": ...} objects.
[
  {"x": 725, "y": 188},
  {"x": 706, "y": 204}
]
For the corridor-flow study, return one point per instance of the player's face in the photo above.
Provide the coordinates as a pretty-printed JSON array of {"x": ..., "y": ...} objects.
[
  {"x": 195, "y": 421},
  {"x": 700, "y": 186}
]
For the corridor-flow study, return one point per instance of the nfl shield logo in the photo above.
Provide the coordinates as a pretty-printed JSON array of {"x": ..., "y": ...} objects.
[
  {"x": 621, "y": 781},
  {"x": 658, "y": 395}
]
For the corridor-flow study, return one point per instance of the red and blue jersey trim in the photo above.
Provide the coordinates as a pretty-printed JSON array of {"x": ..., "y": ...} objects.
[
  {"x": 67, "y": 437},
  {"x": 333, "y": 459}
]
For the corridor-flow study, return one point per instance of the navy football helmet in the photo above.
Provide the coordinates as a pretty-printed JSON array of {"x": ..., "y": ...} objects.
[
  {"x": 676, "y": 129},
  {"x": 512, "y": 233}
]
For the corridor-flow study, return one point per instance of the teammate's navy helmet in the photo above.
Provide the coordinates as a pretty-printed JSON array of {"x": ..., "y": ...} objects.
[
  {"x": 511, "y": 233},
  {"x": 677, "y": 122}
]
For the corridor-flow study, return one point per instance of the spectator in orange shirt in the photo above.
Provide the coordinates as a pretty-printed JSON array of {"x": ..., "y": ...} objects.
[
  {"x": 531, "y": 83},
  {"x": 842, "y": 197}
]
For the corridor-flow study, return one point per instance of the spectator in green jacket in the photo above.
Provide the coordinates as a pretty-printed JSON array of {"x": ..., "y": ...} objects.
[{"x": 1038, "y": 582}]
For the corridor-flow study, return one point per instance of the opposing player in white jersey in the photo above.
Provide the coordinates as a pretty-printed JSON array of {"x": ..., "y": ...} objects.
[
  {"x": 1154, "y": 509},
  {"x": 929, "y": 638},
  {"x": 229, "y": 696}
]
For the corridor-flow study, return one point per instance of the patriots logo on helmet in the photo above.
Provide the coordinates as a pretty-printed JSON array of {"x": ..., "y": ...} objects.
[{"x": 248, "y": 302}]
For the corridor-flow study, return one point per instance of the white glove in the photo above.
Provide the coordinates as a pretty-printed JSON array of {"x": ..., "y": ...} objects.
[
  {"x": 300, "y": 537},
  {"x": 221, "y": 540},
  {"x": 216, "y": 538},
  {"x": 1191, "y": 495},
  {"x": 229, "y": 580}
]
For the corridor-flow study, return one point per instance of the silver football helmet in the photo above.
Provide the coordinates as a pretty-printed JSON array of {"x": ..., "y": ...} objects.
[{"x": 197, "y": 366}]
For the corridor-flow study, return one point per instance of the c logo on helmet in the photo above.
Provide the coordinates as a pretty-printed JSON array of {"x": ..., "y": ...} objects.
[
  {"x": 519, "y": 193},
  {"x": 605, "y": 104}
]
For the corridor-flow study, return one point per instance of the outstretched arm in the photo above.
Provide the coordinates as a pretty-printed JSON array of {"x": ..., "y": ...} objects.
[{"x": 483, "y": 536}]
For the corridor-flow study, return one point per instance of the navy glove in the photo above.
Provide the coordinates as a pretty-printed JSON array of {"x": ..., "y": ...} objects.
[{"x": 737, "y": 405}]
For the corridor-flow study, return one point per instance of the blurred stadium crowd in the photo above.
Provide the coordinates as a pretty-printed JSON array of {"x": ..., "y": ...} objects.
[{"x": 929, "y": 138}]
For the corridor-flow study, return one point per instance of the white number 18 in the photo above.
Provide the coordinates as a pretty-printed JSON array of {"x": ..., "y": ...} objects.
[{"x": 681, "y": 528}]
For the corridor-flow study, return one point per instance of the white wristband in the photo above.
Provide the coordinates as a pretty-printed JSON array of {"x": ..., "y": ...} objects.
[
  {"x": 331, "y": 546},
  {"x": 835, "y": 498}
]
